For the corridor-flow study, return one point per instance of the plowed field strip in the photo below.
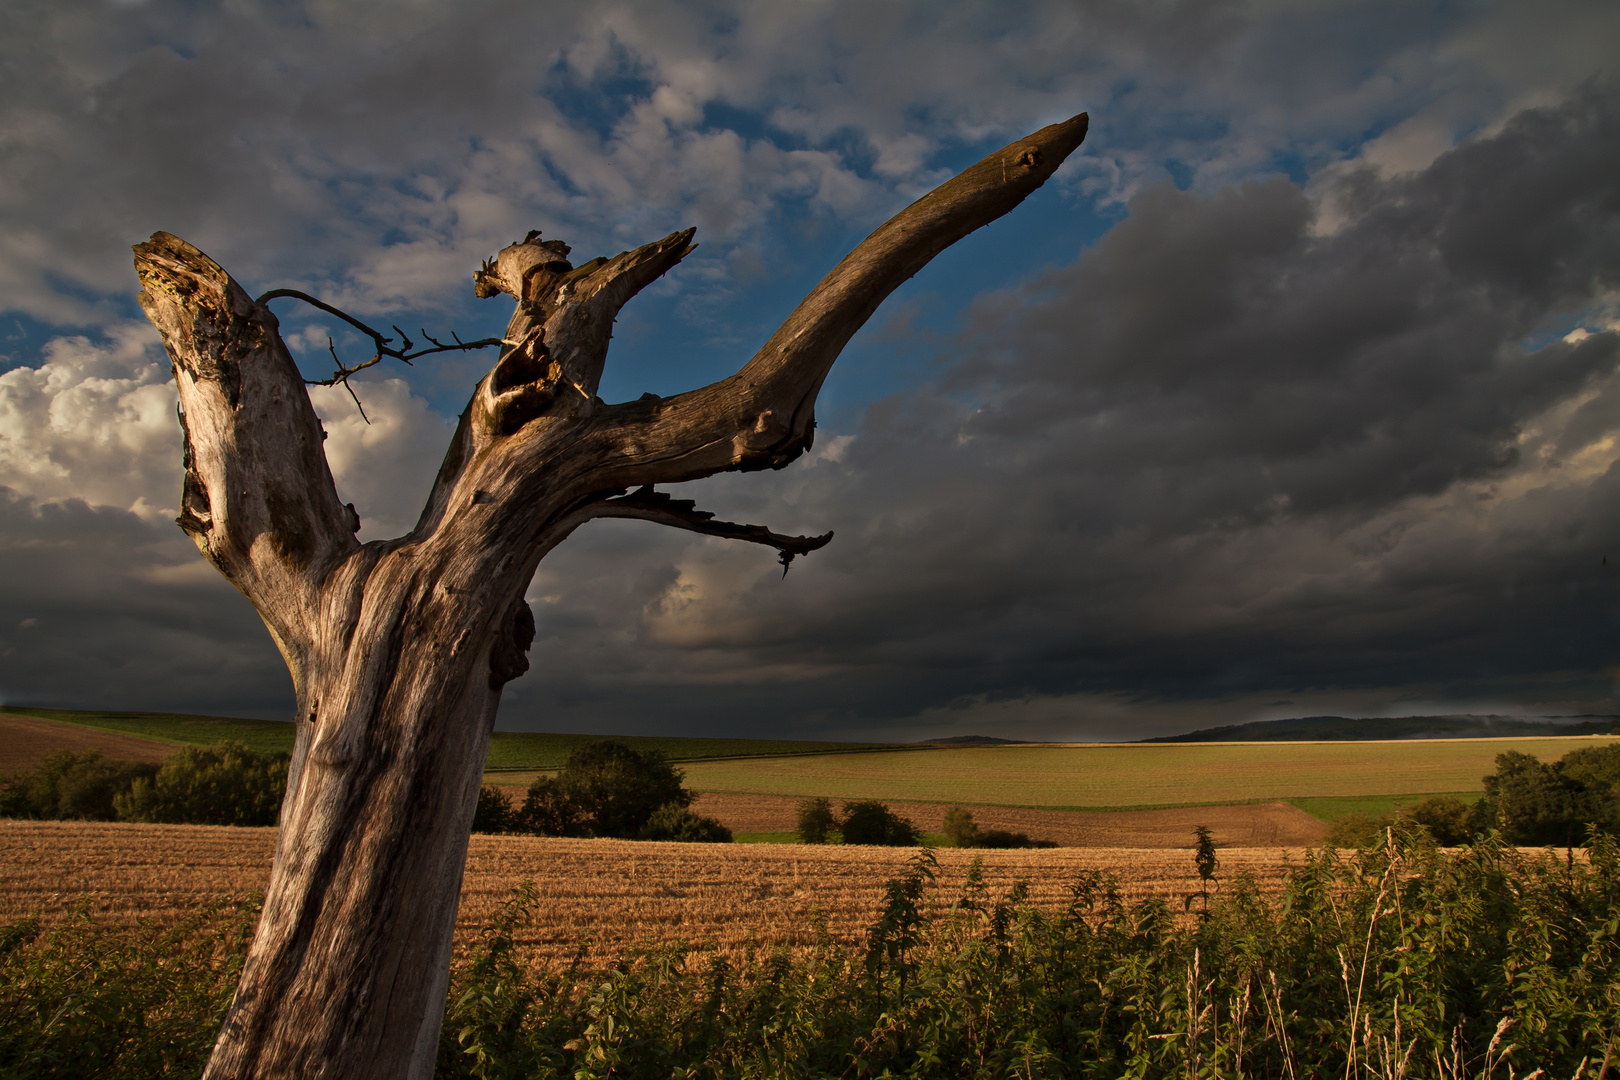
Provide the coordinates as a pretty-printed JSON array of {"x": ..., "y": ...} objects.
[
  {"x": 619, "y": 893},
  {"x": 26, "y": 741}
]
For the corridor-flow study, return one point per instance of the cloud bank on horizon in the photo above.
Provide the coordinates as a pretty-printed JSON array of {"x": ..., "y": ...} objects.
[{"x": 1297, "y": 390}]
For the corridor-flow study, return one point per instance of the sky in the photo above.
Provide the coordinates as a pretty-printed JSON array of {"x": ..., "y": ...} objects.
[{"x": 1295, "y": 391}]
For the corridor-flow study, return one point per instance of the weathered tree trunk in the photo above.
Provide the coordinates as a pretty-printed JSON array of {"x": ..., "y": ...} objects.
[{"x": 398, "y": 649}]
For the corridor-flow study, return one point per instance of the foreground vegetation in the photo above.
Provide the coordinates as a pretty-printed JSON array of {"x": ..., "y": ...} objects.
[{"x": 1399, "y": 960}]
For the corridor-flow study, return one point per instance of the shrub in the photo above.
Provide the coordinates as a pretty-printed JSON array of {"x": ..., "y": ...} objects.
[
  {"x": 68, "y": 786},
  {"x": 816, "y": 820},
  {"x": 495, "y": 813},
  {"x": 1444, "y": 816},
  {"x": 548, "y": 811},
  {"x": 959, "y": 829},
  {"x": 605, "y": 788},
  {"x": 1357, "y": 830},
  {"x": 672, "y": 821},
  {"x": 871, "y": 822},
  {"x": 226, "y": 784}
]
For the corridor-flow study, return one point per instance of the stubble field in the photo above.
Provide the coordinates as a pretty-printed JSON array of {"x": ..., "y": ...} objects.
[{"x": 612, "y": 894}]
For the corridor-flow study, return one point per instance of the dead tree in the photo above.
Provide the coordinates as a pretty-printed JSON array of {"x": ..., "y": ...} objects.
[{"x": 398, "y": 649}]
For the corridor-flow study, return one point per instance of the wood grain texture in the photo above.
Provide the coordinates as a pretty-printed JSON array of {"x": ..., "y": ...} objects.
[{"x": 398, "y": 649}]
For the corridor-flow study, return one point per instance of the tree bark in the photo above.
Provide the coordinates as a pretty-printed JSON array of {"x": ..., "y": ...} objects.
[{"x": 398, "y": 649}]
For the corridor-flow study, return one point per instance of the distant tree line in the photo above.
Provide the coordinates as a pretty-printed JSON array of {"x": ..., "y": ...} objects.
[
  {"x": 225, "y": 784},
  {"x": 1528, "y": 802},
  {"x": 604, "y": 789},
  {"x": 871, "y": 822}
]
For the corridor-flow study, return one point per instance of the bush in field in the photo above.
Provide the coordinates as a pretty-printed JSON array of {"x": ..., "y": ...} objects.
[
  {"x": 816, "y": 819},
  {"x": 68, "y": 786},
  {"x": 495, "y": 813},
  {"x": 605, "y": 788},
  {"x": 225, "y": 784},
  {"x": 871, "y": 822},
  {"x": 961, "y": 831},
  {"x": 1357, "y": 830},
  {"x": 1444, "y": 817},
  {"x": 672, "y": 821}
]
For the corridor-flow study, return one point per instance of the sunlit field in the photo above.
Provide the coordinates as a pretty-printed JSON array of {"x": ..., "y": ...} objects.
[{"x": 1132, "y": 774}]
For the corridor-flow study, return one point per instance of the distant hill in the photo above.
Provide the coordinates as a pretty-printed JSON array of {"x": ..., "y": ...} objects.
[
  {"x": 508, "y": 750},
  {"x": 973, "y": 740},
  {"x": 1362, "y": 729}
]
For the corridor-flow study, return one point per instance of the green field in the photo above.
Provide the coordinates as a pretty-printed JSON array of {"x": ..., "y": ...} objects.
[
  {"x": 1126, "y": 776},
  {"x": 1334, "y": 807}
]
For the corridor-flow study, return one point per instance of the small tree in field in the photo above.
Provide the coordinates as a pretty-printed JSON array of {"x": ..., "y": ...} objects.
[
  {"x": 816, "y": 819},
  {"x": 398, "y": 649},
  {"x": 871, "y": 822},
  {"x": 495, "y": 813},
  {"x": 672, "y": 821},
  {"x": 959, "y": 828},
  {"x": 604, "y": 789}
]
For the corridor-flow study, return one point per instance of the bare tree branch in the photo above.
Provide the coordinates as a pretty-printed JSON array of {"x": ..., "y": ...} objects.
[
  {"x": 645, "y": 504},
  {"x": 763, "y": 417},
  {"x": 382, "y": 342}
]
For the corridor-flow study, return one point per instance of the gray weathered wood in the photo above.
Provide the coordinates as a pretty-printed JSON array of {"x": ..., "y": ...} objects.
[{"x": 398, "y": 649}]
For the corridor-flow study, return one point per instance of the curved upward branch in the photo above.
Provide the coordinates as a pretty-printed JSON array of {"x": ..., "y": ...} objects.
[{"x": 763, "y": 416}]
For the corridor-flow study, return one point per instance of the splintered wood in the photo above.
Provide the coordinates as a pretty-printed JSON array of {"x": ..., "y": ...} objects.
[{"x": 613, "y": 894}]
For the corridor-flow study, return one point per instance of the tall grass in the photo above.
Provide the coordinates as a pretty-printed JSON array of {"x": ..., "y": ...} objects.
[{"x": 1398, "y": 961}]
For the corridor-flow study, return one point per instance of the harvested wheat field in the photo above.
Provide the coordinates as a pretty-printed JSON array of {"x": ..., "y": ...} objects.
[
  {"x": 25, "y": 742},
  {"x": 621, "y": 893}
]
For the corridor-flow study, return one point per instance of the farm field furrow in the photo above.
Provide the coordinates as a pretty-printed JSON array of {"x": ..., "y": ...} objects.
[
  {"x": 1132, "y": 774},
  {"x": 25, "y": 741},
  {"x": 620, "y": 893}
]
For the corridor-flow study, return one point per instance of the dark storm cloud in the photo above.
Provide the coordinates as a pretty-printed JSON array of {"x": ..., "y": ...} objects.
[
  {"x": 1305, "y": 419},
  {"x": 1215, "y": 344},
  {"x": 99, "y": 608},
  {"x": 1224, "y": 453}
]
